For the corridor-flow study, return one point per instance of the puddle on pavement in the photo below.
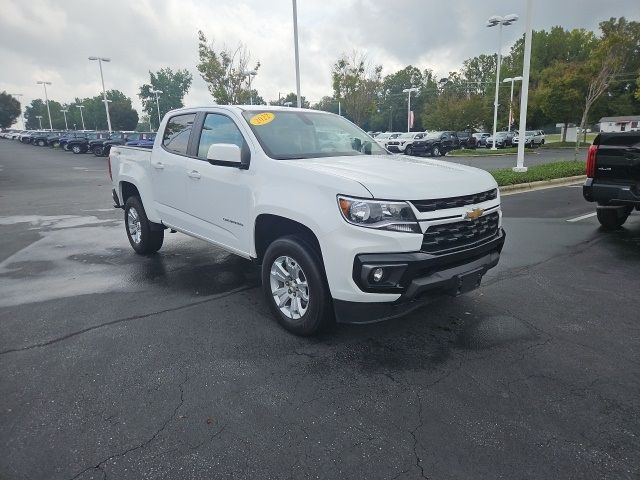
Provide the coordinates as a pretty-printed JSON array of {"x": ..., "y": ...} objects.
[
  {"x": 71, "y": 260},
  {"x": 489, "y": 332}
]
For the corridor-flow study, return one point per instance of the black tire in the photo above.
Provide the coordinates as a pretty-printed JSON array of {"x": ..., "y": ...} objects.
[
  {"x": 151, "y": 234},
  {"x": 41, "y": 143},
  {"x": 319, "y": 312},
  {"x": 408, "y": 150},
  {"x": 98, "y": 150},
  {"x": 435, "y": 151},
  {"x": 77, "y": 149},
  {"x": 613, "y": 218},
  {"x": 542, "y": 142},
  {"x": 65, "y": 147}
]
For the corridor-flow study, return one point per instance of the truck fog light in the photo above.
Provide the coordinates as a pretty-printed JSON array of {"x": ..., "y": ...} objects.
[{"x": 378, "y": 273}]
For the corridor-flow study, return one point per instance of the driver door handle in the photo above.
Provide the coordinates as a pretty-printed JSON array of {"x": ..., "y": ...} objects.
[
  {"x": 194, "y": 174},
  {"x": 158, "y": 165}
]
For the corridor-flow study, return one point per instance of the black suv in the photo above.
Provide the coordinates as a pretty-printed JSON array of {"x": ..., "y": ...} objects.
[
  {"x": 467, "y": 140},
  {"x": 436, "y": 144}
]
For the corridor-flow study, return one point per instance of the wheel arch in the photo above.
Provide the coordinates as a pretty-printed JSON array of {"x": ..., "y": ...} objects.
[{"x": 269, "y": 227}]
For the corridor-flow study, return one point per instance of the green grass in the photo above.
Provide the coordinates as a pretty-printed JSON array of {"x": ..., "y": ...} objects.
[
  {"x": 547, "y": 171},
  {"x": 566, "y": 144},
  {"x": 555, "y": 138},
  {"x": 484, "y": 152}
]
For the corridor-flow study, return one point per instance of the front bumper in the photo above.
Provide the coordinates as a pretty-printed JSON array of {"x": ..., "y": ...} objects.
[
  {"x": 413, "y": 276},
  {"x": 610, "y": 193}
]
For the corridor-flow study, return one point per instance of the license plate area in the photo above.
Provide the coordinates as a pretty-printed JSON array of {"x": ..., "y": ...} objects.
[{"x": 468, "y": 281}]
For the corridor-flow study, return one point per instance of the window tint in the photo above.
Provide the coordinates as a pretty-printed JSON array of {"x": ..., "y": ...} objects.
[
  {"x": 176, "y": 133},
  {"x": 218, "y": 129}
]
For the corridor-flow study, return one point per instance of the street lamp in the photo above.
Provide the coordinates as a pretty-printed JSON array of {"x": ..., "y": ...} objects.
[
  {"x": 512, "y": 80},
  {"x": 524, "y": 95},
  {"x": 64, "y": 112},
  {"x": 500, "y": 22},
  {"x": 408, "y": 92},
  {"x": 39, "y": 117},
  {"x": 46, "y": 97},
  {"x": 156, "y": 93},
  {"x": 24, "y": 124},
  {"x": 295, "y": 47},
  {"x": 250, "y": 73},
  {"x": 81, "y": 116},
  {"x": 104, "y": 92}
]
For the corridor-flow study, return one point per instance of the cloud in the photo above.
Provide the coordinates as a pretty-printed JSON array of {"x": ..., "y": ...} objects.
[{"x": 50, "y": 40}]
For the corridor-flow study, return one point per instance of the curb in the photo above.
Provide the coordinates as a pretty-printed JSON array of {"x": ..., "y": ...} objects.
[{"x": 556, "y": 182}]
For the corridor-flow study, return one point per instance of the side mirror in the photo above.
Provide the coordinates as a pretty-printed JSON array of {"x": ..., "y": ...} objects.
[{"x": 225, "y": 154}]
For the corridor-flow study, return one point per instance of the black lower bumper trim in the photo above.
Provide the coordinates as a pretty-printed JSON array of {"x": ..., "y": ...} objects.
[{"x": 607, "y": 193}]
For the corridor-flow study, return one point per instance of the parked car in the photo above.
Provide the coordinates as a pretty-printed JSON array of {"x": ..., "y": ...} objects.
[
  {"x": 613, "y": 176},
  {"x": 120, "y": 138},
  {"x": 83, "y": 144},
  {"x": 25, "y": 137},
  {"x": 436, "y": 144},
  {"x": 404, "y": 143},
  {"x": 382, "y": 138},
  {"x": 481, "y": 139},
  {"x": 467, "y": 140},
  {"x": 503, "y": 140},
  {"x": 532, "y": 139},
  {"x": 144, "y": 140},
  {"x": 228, "y": 174},
  {"x": 64, "y": 139},
  {"x": 543, "y": 136}
]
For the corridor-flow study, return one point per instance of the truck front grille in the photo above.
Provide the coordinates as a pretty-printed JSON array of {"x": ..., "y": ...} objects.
[
  {"x": 454, "y": 202},
  {"x": 460, "y": 235}
]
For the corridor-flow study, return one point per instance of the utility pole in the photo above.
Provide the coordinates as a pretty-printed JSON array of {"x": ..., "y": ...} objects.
[
  {"x": 524, "y": 96},
  {"x": 81, "y": 116},
  {"x": 46, "y": 97},
  {"x": 104, "y": 92}
]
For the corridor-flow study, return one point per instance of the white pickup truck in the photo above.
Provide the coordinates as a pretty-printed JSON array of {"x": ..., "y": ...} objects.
[{"x": 343, "y": 229}]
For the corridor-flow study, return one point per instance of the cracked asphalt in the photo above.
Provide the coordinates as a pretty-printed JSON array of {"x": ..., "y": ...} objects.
[{"x": 170, "y": 367}]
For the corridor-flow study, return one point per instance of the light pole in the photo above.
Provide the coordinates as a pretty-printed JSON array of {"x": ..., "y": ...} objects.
[
  {"x": 46, "y": 97},
  {"x": 492, "y": 22},
  {"x": 524, "y": 96},
  {"x": 408, "y": 92},
  {"x": 250, "y": 73},
  {"x": 81, "y": 116},
  {"x": 64, "y": 112},
  {"x": 156, "y": 93},
  {"x": 512, "y": 80},
  {"x": 104, "y": 92},
  {"x": 297, "y": 54},
  {"x": 39, "y": 117},
  {"x": 18, "y": 95}
]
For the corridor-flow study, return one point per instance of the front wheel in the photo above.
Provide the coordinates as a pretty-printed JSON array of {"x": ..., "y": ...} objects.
[
  {"x": 294, "y": 286},
  {"x": 144, "y": 236},
  {"x": 613, "y": 218},
  {"x": 409, "y": 150},
  {"x": 77, "y": 149},
  {"x": 435, "y": 152},
  {"x": 97, "y": 150},
  {"x": 41, "y": 143}
]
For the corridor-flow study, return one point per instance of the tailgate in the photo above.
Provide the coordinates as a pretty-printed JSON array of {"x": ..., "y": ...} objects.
[{"x": 618, "y": 157}]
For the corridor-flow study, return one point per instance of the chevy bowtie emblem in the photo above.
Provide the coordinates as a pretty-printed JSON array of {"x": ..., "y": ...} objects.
[{"x": 473, "y": 214}]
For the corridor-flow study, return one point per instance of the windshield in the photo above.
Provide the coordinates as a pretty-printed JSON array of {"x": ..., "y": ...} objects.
[
  {"x": 407, "y": 135},
  {"x": 432, "y": 135},
  {"x": 529, "y": 134},
  {"x": 291, "y": 135}
]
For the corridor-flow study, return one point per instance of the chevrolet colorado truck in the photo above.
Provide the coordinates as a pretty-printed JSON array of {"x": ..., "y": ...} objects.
[
  {"x": 613, "y": 177},
  {"x": 343, "y": 230}
]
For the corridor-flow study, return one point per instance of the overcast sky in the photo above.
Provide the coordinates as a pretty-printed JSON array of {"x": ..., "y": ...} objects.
[{"x": 51, "y": 40}]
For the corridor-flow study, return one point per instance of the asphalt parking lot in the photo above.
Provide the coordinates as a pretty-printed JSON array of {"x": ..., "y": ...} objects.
[
  {"x": 125, "y": 367},
  {"x": 535, "y": 157}
]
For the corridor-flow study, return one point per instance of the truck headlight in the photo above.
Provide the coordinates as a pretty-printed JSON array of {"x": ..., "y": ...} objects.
[{"x": 379, "y": 214}]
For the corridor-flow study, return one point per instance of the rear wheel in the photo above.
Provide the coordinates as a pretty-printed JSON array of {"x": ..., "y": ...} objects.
[
  {"x": 144, "y": 236},
  {"x": 76, "y": 149},
  {"x": 435, "y": 151},
  {"x": 98, "y": 150},
  {"x": 295, "y": 287},
  {"x": 409, "y": 150},
  {"x": 41, "y": 143},
  {"x": 65, "y": 147},
  {"x": 612, "y": 218}
]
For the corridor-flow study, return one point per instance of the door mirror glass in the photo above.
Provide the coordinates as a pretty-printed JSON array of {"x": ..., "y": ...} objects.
[{"x": 225, "y": 152}]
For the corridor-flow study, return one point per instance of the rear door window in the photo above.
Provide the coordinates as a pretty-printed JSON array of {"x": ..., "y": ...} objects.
[{"x": 177, "y": 132}]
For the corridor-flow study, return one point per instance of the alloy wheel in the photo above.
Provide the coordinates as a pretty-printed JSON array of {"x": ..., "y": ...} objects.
[
  {"x": 289, "y": 287},
  {"x": 135, "y": 228}
]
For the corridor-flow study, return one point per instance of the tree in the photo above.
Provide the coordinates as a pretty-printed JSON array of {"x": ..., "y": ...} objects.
[
  {"x": 355, "y": 84},
  {"x": 561, "y": 93},
  {"x": 9, "y": 110},
  {"x": 174, "y": 86},
  {"x": 291, "y": 97},
  {"x": 326, "y": 104},
  {"x": 224, "y": 70}
]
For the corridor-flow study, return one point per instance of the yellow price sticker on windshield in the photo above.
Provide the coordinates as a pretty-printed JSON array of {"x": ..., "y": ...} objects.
[{"x": 262, "y": 118}]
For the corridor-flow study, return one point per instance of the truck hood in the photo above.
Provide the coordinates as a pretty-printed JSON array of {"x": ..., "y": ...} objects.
[{"x": 396, "y": 177}]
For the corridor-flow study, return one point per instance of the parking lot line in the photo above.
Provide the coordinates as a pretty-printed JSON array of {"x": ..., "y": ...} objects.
[{"x": 582, "y": 217}]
